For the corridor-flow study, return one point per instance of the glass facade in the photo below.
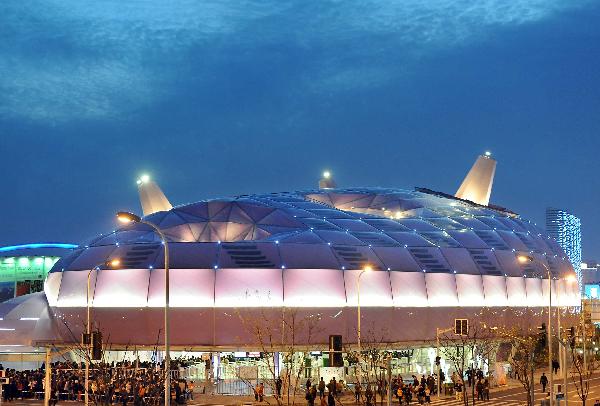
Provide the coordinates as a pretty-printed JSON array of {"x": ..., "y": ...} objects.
[
  {"x": 21, "y": 275},
  {"x": 339, "y": 229},
  {"x": 565, "y": 228}
]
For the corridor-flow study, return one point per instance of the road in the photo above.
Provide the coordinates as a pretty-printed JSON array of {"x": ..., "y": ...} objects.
[{"x": 517, "y": 396}]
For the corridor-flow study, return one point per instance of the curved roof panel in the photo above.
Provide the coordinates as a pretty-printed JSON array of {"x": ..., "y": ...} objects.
[{"x": 333, "y": 228}]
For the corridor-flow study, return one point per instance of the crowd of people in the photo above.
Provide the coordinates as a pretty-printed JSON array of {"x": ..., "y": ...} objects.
[
  {"x": 117, "y": 383},
  {"x": 475, "y": 379},
  {"x": 419, "y": 389},
  {"x": 142, "y": 384},
  {"x": 404, "y": 391}
]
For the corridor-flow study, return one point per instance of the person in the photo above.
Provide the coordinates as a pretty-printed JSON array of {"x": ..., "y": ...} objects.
[
  {"x": 409, "y": 393},
  {"x": 256, "y": 393},
  {"x": 427, "y": 395},
  {"x": 458, "y": 394},
  {"x": 321, "y": 388},
  {"x": 278, "y": 385},
  {"x": 546, "y": 400},
  {"x": 178, "y": 392},
  {"x": 479, "y": 389},
  {"x": 544, "y": 382},
  {"x": 486, "y": 389},
  {"x": 330, "y": 399},
  {"x": 261, "y": 392},
  {"x": 454, "y": 378},
  {"x": 357, "y": 390},
  {"x": 369, "y": 395},
  {"x": 555, "y": 366},
  {"x": 597, "y": 402},
  {"x": 191, "y": 390},
  {"x": 54, "y": 393},
  {"x": 308, "y": 384},
  {"x": 420, "y": 390},
  {"x": 308, "y": 396}
]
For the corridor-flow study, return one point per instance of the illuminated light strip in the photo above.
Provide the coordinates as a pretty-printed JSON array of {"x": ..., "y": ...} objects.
[
  {"x": 29, "y": 318},
  {"x": 37, "y": 245},
  {"x": 6, "y": 329},
  {"x": 498, "y": 291},
  {"x": 12, "y": 345}
]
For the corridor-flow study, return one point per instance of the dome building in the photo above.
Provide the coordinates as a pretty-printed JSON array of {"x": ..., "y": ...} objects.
[{"x": 434, "y": 258}]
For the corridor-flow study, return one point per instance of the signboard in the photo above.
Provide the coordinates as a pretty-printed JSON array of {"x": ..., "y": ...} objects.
[
  {"x": 248, "y": 372},
  {"x": 330, "y": 372}
]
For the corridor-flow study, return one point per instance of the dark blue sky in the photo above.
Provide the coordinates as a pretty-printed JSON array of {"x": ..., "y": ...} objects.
[{"x": 217, "y": 98}]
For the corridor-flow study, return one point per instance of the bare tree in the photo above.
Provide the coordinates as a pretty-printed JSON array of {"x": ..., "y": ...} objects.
[
  {"x": 462, "y": 350},
  {"x": 288, "y": 333},
  {"x": 583, "y": 366},
  {"x": 372, "y": 360},
  {"x": 527, "y": 354}
]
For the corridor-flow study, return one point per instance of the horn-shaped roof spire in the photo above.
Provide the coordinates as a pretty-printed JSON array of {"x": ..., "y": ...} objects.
[
  {"x": 151, "y": 197},
  {"x": 477, "y": 185}
]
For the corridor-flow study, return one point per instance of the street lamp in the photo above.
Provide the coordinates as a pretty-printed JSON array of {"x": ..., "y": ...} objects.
[
  {"x": 113, "y": 264},
  {"x": 367, "y": 268},
  {"x": 126, "y": 217},
  {"x": 527, "y": 259},
  {"x": 439, "y": 331},
  {"x": 569, "y": 278}
]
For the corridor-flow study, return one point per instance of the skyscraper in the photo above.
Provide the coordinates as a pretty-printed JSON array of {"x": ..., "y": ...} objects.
[{"x": 565, "y": 228}]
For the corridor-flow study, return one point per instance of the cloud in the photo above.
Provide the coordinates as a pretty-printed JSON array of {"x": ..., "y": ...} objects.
[{"x": 76, "y": 60}]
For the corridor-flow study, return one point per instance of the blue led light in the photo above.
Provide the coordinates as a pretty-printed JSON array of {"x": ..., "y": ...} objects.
[{"x": 38, "y": 245}]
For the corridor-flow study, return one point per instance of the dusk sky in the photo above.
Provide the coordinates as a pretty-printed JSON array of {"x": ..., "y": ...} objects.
[{"x": 219, "y": 98}]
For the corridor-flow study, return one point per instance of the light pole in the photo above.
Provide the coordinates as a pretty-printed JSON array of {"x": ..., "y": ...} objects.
[
  {"x": 126, "y": 217},
  {"x": 112, "y": 263},
  {"x": 525, "y": 259},
  {"x": 439, "y": 331},
  {"x": 367, "y": 268},
  {"x": 569, "y": 278}
]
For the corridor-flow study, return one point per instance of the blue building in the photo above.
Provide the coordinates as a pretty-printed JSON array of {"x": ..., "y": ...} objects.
[{"x": 565, "y": 228}]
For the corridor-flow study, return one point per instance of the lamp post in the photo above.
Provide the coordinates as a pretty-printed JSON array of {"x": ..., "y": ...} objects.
[
  {"x": 525, "y": 259},
  {"x": 126, "y": 217},
  {"x": 112, "y": 263},
  {"x": 439, "y": 331},
  {"x": 570, "y": 278},
  {"x": 367, "y": 268}
]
